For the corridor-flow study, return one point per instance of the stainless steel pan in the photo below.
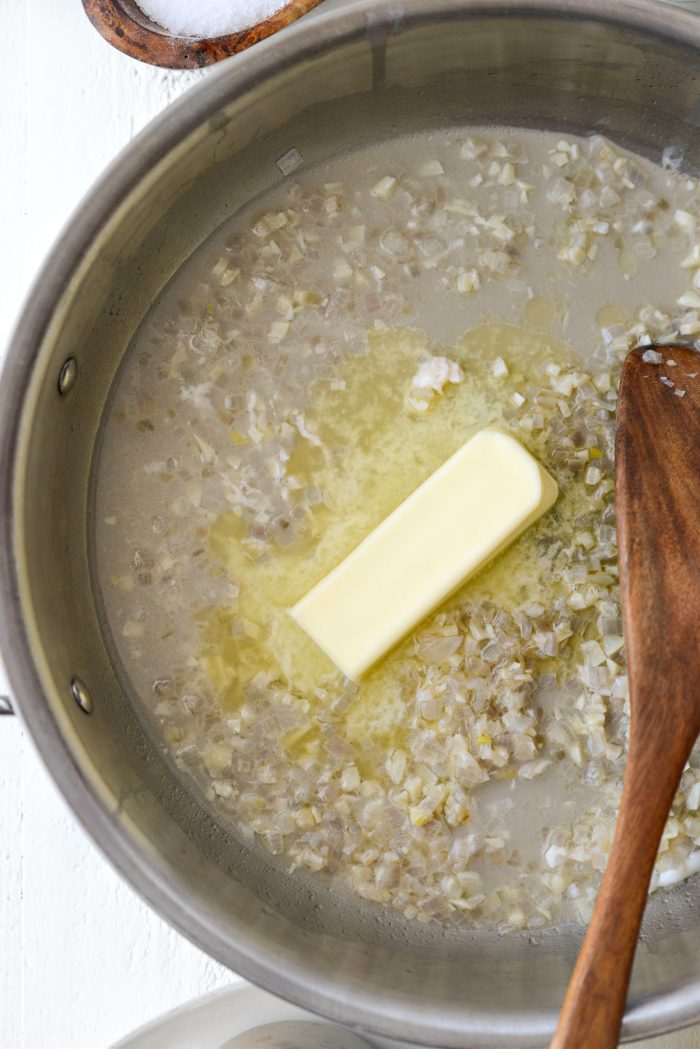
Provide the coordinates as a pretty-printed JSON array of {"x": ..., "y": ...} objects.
[{"x": 628, "y": 69}]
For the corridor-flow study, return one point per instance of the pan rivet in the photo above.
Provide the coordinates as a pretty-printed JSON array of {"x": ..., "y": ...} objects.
[
  {"x": 81, "y": 695},
  {"x": 67, "y": 376}
]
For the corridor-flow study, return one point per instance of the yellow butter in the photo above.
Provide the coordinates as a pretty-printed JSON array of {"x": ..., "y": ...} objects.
[{"x": 470, "y": 509}]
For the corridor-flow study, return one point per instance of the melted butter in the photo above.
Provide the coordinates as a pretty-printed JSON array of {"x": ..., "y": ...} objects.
[
  {"x": 373, "y": 453},
  {"x": 541, "y": 312},
  {"x": 628, "y": 262},
  {"x": 612, "y": 314}
]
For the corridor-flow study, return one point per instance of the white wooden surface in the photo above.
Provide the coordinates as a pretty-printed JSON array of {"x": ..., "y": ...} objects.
[{"x": 82, "y": 960}]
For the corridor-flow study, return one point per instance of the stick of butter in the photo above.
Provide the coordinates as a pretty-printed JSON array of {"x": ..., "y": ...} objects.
[{"x": 464, "y": 514}]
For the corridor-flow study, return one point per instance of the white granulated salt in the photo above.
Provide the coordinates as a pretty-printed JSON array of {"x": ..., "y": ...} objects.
[{"x": 208, "y": 18}]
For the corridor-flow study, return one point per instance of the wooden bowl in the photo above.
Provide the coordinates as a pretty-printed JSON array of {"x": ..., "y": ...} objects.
[{"x": 124, "y": 25}]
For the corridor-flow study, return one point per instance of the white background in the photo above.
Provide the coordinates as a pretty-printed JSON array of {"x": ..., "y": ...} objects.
[{"x": 82, "y": 960}]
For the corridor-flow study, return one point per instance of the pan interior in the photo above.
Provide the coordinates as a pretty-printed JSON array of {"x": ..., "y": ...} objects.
[{"x": 214, "y": 153}]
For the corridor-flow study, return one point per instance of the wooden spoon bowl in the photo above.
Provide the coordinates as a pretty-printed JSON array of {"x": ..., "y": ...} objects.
[{"x": 124, "y": 25}]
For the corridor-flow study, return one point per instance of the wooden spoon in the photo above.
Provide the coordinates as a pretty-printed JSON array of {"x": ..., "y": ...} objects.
[
  {"x": 658, "y": 524},
  {"x": 124, "y": 25}
]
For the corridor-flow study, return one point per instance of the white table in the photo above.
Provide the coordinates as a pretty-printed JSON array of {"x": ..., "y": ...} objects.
[{"x": 82, "y": 959}]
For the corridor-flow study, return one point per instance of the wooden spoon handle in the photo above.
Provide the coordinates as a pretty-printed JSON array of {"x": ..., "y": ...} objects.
[
  {"x": 658, "y": 511},
  {"x": 595, "y": 1002}
]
